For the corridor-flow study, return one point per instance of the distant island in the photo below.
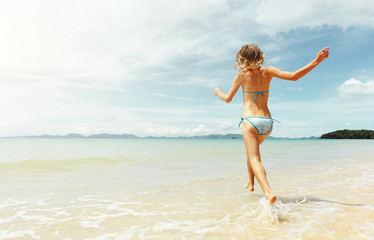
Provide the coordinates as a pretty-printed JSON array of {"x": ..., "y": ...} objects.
[{"x": 349, "y": 134}]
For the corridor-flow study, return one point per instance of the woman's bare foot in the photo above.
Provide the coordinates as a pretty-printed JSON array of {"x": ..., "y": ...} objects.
[
  {"x": 250, "y": 186},
  {"x": 271, "y": 199}
]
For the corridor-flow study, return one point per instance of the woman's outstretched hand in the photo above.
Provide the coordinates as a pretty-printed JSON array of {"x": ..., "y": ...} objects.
[
  {"x": 322, "y": 55},
  {"x": 217, "y": 91}
]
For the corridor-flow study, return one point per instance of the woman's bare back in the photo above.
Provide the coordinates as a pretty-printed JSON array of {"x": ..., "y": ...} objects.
[{"x": 255, "y": 85}]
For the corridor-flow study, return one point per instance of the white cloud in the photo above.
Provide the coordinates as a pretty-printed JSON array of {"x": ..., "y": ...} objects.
[
  {"x": 313, "y": 117},
  {"x": 176, "y": 131},
  {"x": 64, "y": 59},
  {"x": 113, "y": 41},
  {"x": 103, "y": 40},
  {"x": 172, "y": 97},
  {"x": 199, "y": 130},
  {"x": 282, "y": 16},
  {"x": 354, "y": 88}
]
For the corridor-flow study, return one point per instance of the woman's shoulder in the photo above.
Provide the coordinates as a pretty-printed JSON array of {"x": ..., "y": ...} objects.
[
  {"x": 241, "y": 74},
  {"x": 268, "y": 68},
  {"x": 261, "y": 70}
]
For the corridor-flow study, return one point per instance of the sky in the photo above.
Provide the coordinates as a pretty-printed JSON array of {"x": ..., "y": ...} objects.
[{"x": 149, "y": 68}]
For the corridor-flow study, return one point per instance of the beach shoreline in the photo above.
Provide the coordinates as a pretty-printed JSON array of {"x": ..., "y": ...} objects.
[{"x": 100, "y": 189}]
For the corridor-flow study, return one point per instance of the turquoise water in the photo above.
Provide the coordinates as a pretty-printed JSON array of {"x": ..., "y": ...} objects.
[{"x": 183, "y": 189}]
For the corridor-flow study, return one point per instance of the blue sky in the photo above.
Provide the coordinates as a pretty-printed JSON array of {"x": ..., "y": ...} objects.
[{"x": 150, "y": 67}]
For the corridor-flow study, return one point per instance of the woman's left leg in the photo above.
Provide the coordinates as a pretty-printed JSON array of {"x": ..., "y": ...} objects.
[{"x": 251, "y": 181}]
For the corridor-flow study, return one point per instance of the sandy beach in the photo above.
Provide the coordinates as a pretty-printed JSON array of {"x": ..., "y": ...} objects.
[{"x": 184, "y": 189}]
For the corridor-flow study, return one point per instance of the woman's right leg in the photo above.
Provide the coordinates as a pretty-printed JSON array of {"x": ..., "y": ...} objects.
[{"x": 252, "y": 142}]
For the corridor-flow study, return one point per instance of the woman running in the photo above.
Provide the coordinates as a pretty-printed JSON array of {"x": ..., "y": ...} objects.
[{"x": 256, "y": 122}]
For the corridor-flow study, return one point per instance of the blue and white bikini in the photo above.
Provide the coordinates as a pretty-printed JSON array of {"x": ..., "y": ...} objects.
[{"x": 263, "y": 125}]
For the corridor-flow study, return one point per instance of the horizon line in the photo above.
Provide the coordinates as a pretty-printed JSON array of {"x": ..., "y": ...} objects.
[{"x": 129, "y": 135}]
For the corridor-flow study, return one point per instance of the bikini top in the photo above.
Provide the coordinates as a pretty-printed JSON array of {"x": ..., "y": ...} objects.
[{"x": 256, "y": 95}]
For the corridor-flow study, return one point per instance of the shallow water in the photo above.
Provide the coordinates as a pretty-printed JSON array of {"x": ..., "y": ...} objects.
[{"x": 184, "y": 189}]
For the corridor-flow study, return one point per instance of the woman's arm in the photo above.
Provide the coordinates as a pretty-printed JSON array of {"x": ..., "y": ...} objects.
[
  {"x": 294, "y": 76},
  {"x": 228, "y": 97}
]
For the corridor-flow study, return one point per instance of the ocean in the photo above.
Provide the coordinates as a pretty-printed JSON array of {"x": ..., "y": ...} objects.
[{"x": 57, "y": 188}]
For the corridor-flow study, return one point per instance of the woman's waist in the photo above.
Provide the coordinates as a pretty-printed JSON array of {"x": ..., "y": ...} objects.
[{"x": 256, "y": 113}]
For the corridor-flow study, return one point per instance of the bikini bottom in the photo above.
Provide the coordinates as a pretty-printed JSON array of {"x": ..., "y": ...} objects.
[{"x": 263, "y": 125}]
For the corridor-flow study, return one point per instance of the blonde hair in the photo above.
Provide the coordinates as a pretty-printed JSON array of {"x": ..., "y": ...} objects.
[{"x": 249, "y": 57}]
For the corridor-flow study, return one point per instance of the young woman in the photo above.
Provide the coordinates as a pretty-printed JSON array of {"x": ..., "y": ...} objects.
[{"x": 256, "y": 123}]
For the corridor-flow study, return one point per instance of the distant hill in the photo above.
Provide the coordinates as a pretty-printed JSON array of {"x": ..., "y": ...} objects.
[
  {"x": 105, "y": 135},
  {"x": 349, "y": 134},
  {"x": 219, "y": 136},
  {"x": 71, "y": 135},
  {"x": 74, "y": 135},
  {"x": 131, "y": 136}
]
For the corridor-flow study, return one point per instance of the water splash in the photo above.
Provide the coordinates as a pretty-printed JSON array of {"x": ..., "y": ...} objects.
[
  {"x": 278, "y": 212},
  {"x": 266, "y": 213}
]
